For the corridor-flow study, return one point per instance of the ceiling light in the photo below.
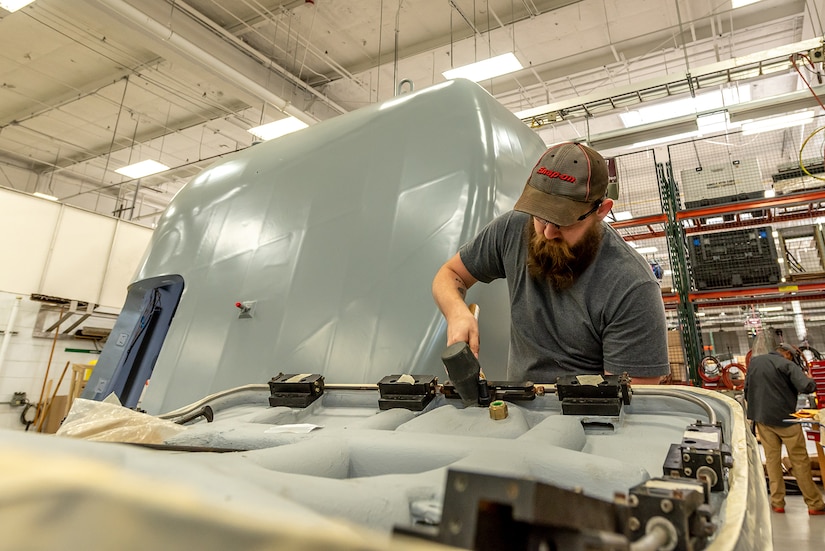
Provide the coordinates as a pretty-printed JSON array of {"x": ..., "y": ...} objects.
[
  {"x": 770, "y": 193},
  {"x": 623, "y": 215},
  {"x": 666, "y": 139},
  {"x": 44, "y": 196},
  {"x": 713, "y": 122},
  {"x": 14, "y": 5},
  {"x": 277, "y": 129},
  {"x": 714, "y": 102},
  {"x": 141, "y": 169},
  {"x": 756, "y": 126},
  {"x": 646, "y": 250},
  {"x": 489, "y": 68},
  {"x": 739, "y": 3},
  {"x": 771, "y": 308}
]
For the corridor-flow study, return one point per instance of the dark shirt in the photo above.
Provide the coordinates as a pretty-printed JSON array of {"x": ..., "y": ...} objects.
[{"x": 772, "y": 385}]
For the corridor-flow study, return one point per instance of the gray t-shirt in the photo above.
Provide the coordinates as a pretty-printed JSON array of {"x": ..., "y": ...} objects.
[{"x": 612, "y": 318}]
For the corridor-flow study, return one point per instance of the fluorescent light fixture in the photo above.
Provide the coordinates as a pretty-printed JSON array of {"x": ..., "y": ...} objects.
[
  {"x": 489, "y": 68},
  {"x": 44, "y": 196},
  {"x": 771, "y": 308},
  {"x": 716, "y": 121},
  {"x": 624, "y": 215},
  {"x": 646, "y": 250},
  {"x": 141, "y": 169},
  {"x": 739, "y": 3},
  {"x": 277, "y": 129},
  {"x": 755, "y": 126},
  {"x": 666, "y": 139},
  {"x": 14, "y": 5},
  {"x": 770, "y": 193},
  {"x": 716, "y": 101}
]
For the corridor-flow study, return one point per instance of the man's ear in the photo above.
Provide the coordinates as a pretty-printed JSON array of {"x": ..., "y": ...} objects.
[{"x": 604, "y": 208}]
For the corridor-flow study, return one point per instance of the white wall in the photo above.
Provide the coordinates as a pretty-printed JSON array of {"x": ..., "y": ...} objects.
[
  {"x": 58, "y": 251},
  {"x": 27, "y": 357}
]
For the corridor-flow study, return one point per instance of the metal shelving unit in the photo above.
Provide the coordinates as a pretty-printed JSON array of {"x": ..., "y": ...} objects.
[{"x": 766, "y": 194}]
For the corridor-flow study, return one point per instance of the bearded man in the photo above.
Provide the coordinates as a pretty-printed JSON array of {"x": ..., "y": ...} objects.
[{"x": 582, "y": 301}]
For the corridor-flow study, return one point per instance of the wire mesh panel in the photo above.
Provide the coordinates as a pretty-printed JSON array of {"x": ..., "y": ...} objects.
[
  {"x": 676, "y": 356},
  {"x": 741, "y": 199},
  {"x": 803, "y": 248},
  {"x": 752, "y": 217},
  {"x": 635, "y": 174}
]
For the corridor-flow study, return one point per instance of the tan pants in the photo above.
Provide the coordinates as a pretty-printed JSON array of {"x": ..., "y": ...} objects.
[{"x": 772, "y": 439}]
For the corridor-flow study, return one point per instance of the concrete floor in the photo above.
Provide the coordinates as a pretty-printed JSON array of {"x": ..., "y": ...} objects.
[{"x": 796, "y": 530}]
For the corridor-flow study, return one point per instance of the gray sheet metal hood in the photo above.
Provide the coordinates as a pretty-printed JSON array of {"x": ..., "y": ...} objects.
[{"x": 333, "y": 235}]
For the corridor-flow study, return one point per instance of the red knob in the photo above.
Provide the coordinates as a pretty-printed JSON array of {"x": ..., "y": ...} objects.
[{"x": 238, "y": 305}]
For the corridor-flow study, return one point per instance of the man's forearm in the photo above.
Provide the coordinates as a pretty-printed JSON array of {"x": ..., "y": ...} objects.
[{"x": 449, "y": 292}]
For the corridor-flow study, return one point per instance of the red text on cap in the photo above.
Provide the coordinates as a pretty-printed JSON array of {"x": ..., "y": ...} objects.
[{"x": 556, "y": 174}]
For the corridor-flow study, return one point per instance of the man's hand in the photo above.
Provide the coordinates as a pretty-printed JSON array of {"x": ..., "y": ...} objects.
[{"x": 463, "y": 328}]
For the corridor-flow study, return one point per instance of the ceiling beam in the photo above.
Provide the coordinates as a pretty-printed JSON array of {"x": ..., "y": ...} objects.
[{"x": 180, "y": 36}]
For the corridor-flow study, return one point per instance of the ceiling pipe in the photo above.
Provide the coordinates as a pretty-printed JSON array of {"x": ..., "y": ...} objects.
[
  {"x": 165, "y": 34},
  {"x": 266, "y": 61}
]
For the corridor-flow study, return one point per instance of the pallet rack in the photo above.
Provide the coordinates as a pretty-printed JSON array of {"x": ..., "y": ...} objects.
[{"x": 666, "y": 219}]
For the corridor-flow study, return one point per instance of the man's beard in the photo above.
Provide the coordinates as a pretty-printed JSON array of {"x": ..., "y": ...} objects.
[{"x": 561, "y": 264}]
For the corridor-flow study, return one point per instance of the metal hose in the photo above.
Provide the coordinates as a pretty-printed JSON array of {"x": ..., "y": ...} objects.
[
  {"x": 656, "y": 538},
  {"x": 672, "y": 393},
  {"x": 185, "y": 410}
]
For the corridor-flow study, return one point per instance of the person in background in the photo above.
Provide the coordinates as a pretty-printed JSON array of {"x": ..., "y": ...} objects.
[
  {"x": 582, "y": 300},
  {"x": 772, "y": 386}
]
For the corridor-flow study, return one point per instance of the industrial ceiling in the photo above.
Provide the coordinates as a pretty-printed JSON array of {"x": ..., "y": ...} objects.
[{"x": 89, "y": 86}]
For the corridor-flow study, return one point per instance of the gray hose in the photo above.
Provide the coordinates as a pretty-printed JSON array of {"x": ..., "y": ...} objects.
[
  {"x": 203, "y": 401},
  {"x": 185, "y": 410},
  {"x": 673, "y": 393}
]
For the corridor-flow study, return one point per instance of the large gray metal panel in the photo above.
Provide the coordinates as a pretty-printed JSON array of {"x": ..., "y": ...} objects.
[{"x": 335, "y": 233}]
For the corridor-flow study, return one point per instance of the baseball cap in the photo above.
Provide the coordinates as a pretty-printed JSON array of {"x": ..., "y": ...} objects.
[
  {"x": 564, "y": 184},
  {"x": 786, "y": 347}
]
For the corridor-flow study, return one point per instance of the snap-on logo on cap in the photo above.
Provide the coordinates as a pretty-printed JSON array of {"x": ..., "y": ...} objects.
[{"x": 556, "y": 174}]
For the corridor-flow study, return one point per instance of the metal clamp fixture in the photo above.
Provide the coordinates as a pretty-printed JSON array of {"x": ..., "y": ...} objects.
[
  {"x": 406, "y": 391},
  {"x": 702, "y": 455},
  {"x": 593, "y": 394},
  {"x": 295, "y": 390}
]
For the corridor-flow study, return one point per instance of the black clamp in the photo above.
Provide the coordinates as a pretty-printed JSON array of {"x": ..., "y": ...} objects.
[
  {"x": 297, "y": 391},
  {"x": 406, "y": 391},
  {"x": 600, "y": 395}
]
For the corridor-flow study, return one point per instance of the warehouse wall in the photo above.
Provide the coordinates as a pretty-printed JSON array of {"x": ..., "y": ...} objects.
[
  {"x": 26, "y": 365},
  {"x": 67, "y": 254}
]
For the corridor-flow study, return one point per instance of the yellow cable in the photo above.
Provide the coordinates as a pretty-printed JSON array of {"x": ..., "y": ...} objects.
[{"x": 802, "y": 148}]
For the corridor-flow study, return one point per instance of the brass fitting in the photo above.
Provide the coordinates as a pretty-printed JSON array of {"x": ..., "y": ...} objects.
[{"x": 498, "y": 410}]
